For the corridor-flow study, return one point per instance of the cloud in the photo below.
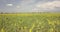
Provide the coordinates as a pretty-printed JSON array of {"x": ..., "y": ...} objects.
[
  {"x": 17, "y": 6},
  {"x": 9, "y": 4},
  {"x": 30, "y": 5},
  {"x": 48, "y": 6}
]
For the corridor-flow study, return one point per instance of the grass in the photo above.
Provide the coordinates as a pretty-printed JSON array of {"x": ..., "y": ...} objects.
[{"x": 34, "y": 22}]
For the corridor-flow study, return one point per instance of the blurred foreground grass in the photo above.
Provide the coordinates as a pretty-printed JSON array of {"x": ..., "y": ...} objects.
[{"x": 49, "y": 22}]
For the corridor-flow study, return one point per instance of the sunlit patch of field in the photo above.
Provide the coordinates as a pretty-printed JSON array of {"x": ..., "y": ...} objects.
[{"x": 40, "y": 22}]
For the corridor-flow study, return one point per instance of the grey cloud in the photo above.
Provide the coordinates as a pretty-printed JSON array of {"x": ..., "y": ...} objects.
[{"x": 30, "y": 6}]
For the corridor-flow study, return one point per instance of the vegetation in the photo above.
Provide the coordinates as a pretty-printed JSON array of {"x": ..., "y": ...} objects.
[{"x": 42, "y": 22}]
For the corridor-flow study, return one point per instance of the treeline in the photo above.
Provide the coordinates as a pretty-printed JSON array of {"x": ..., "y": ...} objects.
[{"x": 27, "y": 12}]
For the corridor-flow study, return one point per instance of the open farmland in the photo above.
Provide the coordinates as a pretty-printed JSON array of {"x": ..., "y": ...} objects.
[{"x": 42, "y": 22}]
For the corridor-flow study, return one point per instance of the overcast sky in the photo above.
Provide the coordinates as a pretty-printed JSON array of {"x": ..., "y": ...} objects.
[{"x": 29, "y": 5}]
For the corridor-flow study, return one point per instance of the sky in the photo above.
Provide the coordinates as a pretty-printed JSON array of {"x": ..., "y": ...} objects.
[{"x": 29, "y": 6}]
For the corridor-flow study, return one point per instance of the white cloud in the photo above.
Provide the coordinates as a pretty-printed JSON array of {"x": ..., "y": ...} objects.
[
  {"x": 49, "y": 5},
  {"x": 17, "y": 6},
  {"x": 9, "y": 4}
]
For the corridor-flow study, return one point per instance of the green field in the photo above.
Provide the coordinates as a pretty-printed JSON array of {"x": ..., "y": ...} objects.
[{"x": 41, "y": 22}]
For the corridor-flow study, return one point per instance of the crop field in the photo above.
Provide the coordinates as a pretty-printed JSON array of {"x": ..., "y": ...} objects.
[{"x": 49, "y": 22}]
